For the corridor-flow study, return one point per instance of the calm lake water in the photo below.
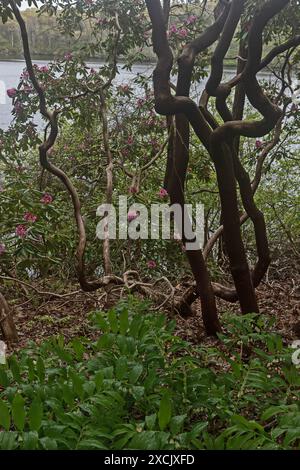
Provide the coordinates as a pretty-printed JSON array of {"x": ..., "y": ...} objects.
[{"x": 10, "y": 72}]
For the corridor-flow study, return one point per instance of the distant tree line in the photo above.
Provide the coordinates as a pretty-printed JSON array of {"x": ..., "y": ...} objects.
[
  {"x": 47, "y": 41},
  {"x": 45, "y": 38}
]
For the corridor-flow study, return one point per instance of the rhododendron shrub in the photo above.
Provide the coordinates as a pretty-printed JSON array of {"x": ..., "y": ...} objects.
[
  {"x": 33, "y": 235},
  {"x": 107, "y": 122},
  {"x": 70, "y": 86}
]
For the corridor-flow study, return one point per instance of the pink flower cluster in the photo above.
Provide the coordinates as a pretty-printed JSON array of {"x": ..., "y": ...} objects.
[
  {"x": 133, "y": 189},
  {"x": 151, "y": 264},
  {"x": 44, "y": 69},
  {"x": 68, "y": 56},
  {"x": 132, "y": 215},
  {"x": 25, "y": 74},
  {"x": 191, "y": 19},
  {"x": 29, "y": 217},
  {"x": 162, "y": 193},
  {"x": 21, "y": 231},
  {"x": 47, "y": 198},
  {"x": 11, "y": 92},
  {"x": 182, "y": 32},
  {"x": 173, "y": 29}
]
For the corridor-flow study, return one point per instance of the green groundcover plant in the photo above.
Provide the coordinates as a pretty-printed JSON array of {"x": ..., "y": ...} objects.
[{"x": 139, "y": 386}]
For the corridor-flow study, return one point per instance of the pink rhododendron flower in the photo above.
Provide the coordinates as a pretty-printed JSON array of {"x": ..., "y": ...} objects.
[
  {"x": 133, "y": 189},
  {"x": 191, "y": 19},
  {"x": 11, "y": 92},
  {"x": 124, "y": 88},
  {"x": 151, "y": 264},
  {"x": 173, "y": 29},
  {"x": 47, "y": 198},
  {"x": 183, "y": 33},
  {"x": 44, "y": 69},
  {"x": 29, "y": 217},
  {"x": 25, "y": 74},
  {"x": 21, "y": 231},
  {"x": 132, "y": 215},
  {"x": 140, "y": 102},
  {"x": 102, "y": 21},
  {"x": 68, "y": 56},
  {"x": 2, "y": 248},
  {"x": 258, "y": 144},
  {"x": 162, "y": 193}
]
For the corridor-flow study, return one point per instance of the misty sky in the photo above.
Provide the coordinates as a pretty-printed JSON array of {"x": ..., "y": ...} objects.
[{"x": 25, "y": 5}]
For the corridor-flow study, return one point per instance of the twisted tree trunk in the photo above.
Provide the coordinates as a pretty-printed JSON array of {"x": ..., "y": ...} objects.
[{"x": 220, "y": 141}]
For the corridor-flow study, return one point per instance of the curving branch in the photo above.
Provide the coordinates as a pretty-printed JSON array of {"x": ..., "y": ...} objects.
[
  {"x": 217, "y": 59},
  {"x": 280, "y": 49},
  {"x": 52, "y": 118},
  {"x": 228, "y": 166},
  {"x": 187, "y": 112},
  {"x": 254, "y": 185},
  {"x": 221, "y": 141}
]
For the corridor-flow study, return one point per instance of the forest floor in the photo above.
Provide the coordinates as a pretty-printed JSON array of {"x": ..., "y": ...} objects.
[{"x": 40, "y": 316}]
